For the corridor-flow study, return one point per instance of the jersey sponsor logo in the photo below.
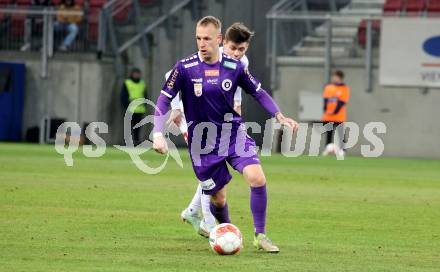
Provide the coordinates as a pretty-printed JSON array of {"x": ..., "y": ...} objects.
[
  {"x": 230, "y": 65},
  {"x": 198, "y": 89},
  {"x": 226, "y": 84},
  {"x": 197, "y": 80},
  {"x": 192, "y": 64},
  {"x": 212, "y": 73},
  {"x": 213, "y": 81},
  {"x": 172, "y": 80},
  {"x": 207, "y": 184}
]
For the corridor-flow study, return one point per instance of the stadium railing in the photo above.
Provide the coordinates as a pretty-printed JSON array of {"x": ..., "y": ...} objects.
[
  {"x": 107, "y": 34},
  {"x": 31, "y": 28},
  {"x": 18, "y": 24},
  {"x": 281, "y": 34},
  {"x": 366, "y": 41},
  {"x": 105, "y": 28}
]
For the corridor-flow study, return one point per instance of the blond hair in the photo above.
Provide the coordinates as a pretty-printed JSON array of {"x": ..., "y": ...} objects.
[{"x": 210, "y": 20}]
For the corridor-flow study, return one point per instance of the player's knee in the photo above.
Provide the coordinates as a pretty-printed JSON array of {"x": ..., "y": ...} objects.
[{"x": 256, "y": 179}]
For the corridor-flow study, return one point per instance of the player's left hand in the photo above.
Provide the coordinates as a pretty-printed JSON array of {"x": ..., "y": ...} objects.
[
  {"x": 175, "y": 117},
  {"x": 286, "y": 121},
  {"x": 237, "y": 109}
]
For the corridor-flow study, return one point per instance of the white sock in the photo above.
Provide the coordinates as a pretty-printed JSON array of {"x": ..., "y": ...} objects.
[
  {"x": 207, "y": 215},
  {"x": 195, "y": 205}
]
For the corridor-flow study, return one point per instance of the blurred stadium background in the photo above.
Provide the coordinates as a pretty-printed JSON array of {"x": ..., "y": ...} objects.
[
  {"x": 297, "y": 44},
  {"x": 104, "y": 215}
]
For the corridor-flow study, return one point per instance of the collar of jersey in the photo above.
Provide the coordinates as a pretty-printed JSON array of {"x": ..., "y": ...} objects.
[{"x": 219, "y": 58}]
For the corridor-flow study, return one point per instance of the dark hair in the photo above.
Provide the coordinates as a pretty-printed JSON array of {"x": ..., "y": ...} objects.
[
  {"x": 339, "y": 74},
  {"x": 238, "y": 33},
  {"x": 210, "y": 20}
]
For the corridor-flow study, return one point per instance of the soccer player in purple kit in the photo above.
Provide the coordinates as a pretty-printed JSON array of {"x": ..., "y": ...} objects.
[
  {"x": 207, "y": 81},
  {"x": 235, "y": 44}
]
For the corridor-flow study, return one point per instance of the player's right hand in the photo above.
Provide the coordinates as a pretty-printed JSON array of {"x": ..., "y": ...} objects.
[
  {"x": 175, "y": 117},
  {"x": 160, "y": 144}
]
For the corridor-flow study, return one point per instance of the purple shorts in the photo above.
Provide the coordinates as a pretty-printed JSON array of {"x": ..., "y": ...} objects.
[{"x": 212, "y": 170}]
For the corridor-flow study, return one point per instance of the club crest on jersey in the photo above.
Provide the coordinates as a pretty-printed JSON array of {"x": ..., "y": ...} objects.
[
  {"x": 230, "y": 65},
  {"x": 198, "y": 89},
  {"x": 226, "y": 84},
  {"x": 212, "y": 73}
]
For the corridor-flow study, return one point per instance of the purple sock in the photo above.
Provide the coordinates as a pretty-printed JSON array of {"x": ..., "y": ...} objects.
[
  {"x": 220, "y": 213},
  {"x": 258, "y": 208}
]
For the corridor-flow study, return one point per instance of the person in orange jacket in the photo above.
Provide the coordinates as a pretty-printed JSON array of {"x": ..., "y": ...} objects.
[
  {"x": 336, "y": 95},
  {"x": 68, "y": 23}
]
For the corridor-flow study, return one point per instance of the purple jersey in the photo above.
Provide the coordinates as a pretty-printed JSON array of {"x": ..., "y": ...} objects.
[{"x": 208, "y": 92}]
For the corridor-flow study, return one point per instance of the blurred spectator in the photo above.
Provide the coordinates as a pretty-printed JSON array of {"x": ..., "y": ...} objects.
[
  {"x": 68, "y": 23},
  {"x": 133, "y": 88},
  {"x": 336, "y": 95},
  {"x": 33, "y": 25}
]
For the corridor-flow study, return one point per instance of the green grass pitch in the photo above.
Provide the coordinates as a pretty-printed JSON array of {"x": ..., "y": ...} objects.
[{"x": 103, "y": 214}]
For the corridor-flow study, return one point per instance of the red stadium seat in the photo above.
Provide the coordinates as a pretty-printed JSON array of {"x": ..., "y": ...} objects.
[
  {"x": 93, "y": 16},
  {"x": 18, "y": 20},
  {"x": 93, "y": 24},
  {"x": 92, "y": 32},
  {"x": 393, "y": 6},
  {"x": 2, "y": 15},
  {"x": 97, "y": 3},
  {"x": 433, "y": 8},
  {"x": 121, "y": 13},
  {"x": 23, "y": 2},
  {"x": 362, "y": 32},
  {"x": 17, "y": 24},
  {"x": 79, "y": 2},
  {"x": 4, "y": 4},
  {"x": 415, "y": 7}
]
